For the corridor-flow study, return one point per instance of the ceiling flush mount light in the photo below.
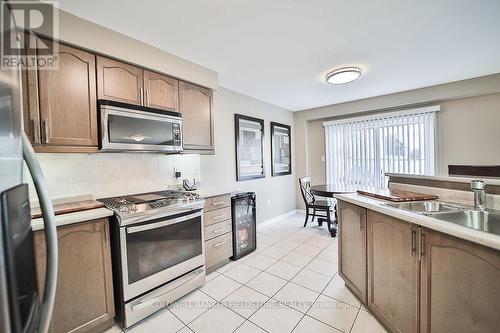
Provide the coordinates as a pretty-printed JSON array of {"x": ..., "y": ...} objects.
[{"x": 343, "y": 75}]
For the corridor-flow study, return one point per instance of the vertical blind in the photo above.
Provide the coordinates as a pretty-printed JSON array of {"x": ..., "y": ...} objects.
[{"x": 359, "y": 151}]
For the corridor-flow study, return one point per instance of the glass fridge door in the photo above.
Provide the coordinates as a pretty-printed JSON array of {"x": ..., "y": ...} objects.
[{"x": 244, "y": 226}]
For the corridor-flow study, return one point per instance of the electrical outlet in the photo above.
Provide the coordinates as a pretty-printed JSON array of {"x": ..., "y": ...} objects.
[
  {"x": 322, "y": 158},
  {"x": 268, "y": 203}
]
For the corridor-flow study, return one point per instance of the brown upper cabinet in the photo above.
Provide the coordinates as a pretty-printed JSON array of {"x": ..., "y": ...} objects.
[
  {"x": 61, "y": 104},
  {"x": 118, "y": 81},
  {"x": 121, "y": 82},
  {"x": 195, "y": 104},
  {"x": 161, "y": 91}
]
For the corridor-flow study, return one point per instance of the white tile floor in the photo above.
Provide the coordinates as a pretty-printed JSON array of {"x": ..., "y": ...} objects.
[{"x": 290, "y": 284}]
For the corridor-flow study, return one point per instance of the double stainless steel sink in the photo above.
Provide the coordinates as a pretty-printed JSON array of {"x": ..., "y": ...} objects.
[
  {"x": 483, "y": 220},
  {"x": 426, "y": 206}
]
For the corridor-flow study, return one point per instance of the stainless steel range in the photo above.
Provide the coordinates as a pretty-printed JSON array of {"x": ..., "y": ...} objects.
[{"x": 157, "y": 250}]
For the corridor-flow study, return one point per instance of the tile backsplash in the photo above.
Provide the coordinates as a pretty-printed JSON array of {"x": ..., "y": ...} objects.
[{"x": 109, "y": 174}]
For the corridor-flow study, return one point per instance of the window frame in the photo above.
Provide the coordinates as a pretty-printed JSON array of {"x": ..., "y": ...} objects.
[{"x": 378, "y": 123}]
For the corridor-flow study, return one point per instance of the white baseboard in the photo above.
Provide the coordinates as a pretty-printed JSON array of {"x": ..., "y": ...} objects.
[{"x": 280, "y": 217}]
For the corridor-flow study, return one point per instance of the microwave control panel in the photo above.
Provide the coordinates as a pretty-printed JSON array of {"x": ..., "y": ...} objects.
[{"x": 176, "y": 131}]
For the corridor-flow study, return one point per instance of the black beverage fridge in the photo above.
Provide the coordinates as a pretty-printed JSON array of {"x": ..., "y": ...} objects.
[{"x": 244, "y": 230}]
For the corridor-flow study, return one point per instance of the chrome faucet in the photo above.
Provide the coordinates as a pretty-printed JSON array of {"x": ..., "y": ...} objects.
[{"x": 477, "y": 187}]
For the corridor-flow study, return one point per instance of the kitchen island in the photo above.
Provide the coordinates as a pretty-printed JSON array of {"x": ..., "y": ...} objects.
[{"x": 417, "y": 273}]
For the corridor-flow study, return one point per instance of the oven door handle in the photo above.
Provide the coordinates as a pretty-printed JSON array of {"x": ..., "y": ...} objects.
[
  {"x": 149, "y": 302},
  {"x": 131, "y": 230}
]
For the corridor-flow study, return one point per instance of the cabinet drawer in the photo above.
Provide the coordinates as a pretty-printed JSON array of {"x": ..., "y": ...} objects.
[
  {"x": 217, "y": 202},
  {"x": 216, "y": 216},
  {"x": 218, "y": 249},
  {"x": 217, "y": 229}
]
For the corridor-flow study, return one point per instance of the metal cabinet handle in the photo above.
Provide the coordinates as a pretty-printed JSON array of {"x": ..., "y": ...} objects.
[
  {"x": 420, "y": 243},
  {"x": 35, "y": 131},
  {"x": 141, "y": 92},
  {"x": 217, "y": 230},
  {"x": 218, "y": 217},
  {"x": 218, "y": 203},
  {"x": 45, "y": 124},
  {"x": 149, "y": 302},
  {"x": 219, "y": 244},
  {"x": 413, "y": 243}
]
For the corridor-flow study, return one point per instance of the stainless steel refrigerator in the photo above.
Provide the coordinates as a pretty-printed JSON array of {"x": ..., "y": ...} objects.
[{"x": 21, "y": 307}]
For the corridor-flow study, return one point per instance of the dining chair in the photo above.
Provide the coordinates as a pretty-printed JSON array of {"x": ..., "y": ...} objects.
[{"x": 323, "y": 209}]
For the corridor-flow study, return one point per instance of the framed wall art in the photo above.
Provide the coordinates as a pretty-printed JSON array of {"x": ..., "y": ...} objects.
[
  {"x": 249, "y": 140},
  {"x": 281, "y": 155}
]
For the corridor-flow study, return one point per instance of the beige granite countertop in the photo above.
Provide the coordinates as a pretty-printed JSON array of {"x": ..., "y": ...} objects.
[
  {"x": 448, "y": 178},
  {"x": 476, "y": 236},
  {"x": 96, "y": 213},
  {"x": 207, "y": 192},
  {"x": 76, "y": 217}
]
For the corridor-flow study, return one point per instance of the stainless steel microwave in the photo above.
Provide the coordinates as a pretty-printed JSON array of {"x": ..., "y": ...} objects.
[{"x": 127, "y": 127}]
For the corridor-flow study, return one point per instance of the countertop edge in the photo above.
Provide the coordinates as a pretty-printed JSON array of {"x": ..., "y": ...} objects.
[
  {"x": 447, "y": 178},
  {"x": 475, "y": 236},
  {"x": 210, "y": 193},
  {"x": 72, "y": 218}
]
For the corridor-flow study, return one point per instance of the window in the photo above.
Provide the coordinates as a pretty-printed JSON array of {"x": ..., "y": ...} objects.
[{"x": 360, "y": 151}]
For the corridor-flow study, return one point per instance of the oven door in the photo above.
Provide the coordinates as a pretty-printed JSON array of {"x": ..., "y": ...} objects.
[
  {"x": 154, "y": 253},
  {"x": 123, "y": 129}
]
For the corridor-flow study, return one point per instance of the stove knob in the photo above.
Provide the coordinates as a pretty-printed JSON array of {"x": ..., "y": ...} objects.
[{"x": 133, "y": 208}]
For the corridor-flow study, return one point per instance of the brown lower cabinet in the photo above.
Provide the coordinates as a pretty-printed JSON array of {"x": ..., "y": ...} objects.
[
  {"x": 84, "y": 295},
  {"x": 352, "y": 247},
  {"x": 460, "y": 285},
  {"x": 419, "y": 280},
  {"x": 218, "y": 231},
  {"x": 393, "y": 272}
]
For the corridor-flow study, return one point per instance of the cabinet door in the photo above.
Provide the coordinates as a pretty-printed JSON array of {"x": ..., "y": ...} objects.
[
  {"x": 119, "y": 82},
  {"x": 352, "y": 248},
  {"x": 84, "y": 296},
  {"x": 393, "y": 272},
  {"x": 460, "y": 285},
  {"x": 161, "y": 91},
  {"x": 67, "y": 98},
  {"x": 197, "y": 119},
  {"x": 217, "y": 251},
  {"x": 29, "y": 86}
]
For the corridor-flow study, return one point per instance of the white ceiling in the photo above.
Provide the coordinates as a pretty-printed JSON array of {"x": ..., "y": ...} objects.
[{"x": 278, "y": 51}]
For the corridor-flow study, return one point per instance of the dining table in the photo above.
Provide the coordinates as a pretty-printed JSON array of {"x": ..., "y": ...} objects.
[{"x": 329, "y": 190}]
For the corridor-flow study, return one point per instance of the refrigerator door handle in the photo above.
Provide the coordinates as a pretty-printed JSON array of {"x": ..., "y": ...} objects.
[{"x": 50, "y": 234}]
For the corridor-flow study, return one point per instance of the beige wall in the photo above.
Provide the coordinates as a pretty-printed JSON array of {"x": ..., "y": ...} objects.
[
  {"x": 275, "y": 195},
  {"x": 468, "y": 125},
  {"x": 469, "y": 131},
  {"x": 86, "y": 34}
]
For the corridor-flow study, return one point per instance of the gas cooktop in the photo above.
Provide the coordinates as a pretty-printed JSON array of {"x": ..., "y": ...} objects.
[{"x": 153, "y": 203}]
